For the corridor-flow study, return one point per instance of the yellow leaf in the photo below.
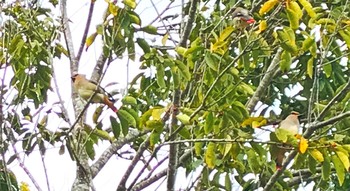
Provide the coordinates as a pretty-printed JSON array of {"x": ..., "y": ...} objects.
[
  {"x": 303, "y": 145},
  {"x": 346, "y": 37},
  {"x": 293, "y": 18},
  {"x": 24, "y": 187},
  {"x": 317, "y": 155},
  {"x": 262, "y": 26},
  {"x": 310, "y": 67},
  {"x": 180, "y": 50},
  {"x": 344, "y": 158},
  {"x": 296, "y": 8},
  {"x": 156, "y": 113},
  {"x": 308, "y": 7},
  {"x": 257, "y": 120},
  {"x": 113, "y": 9},
  {"x": 326, "y": 21},
  {"x": 90, "y": 40},
  {"x": 225, "y": 33},
  {"x": 347, "y": 22},
  {"x": 267, "y": 6},
  {"x": 130, "y": 3},
  {"x": 165, "y": 38},
  {"x": 210, "y": 157}
]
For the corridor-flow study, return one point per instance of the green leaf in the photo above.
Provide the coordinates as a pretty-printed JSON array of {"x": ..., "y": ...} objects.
[
  {"x": 183, "y": 118},
  {"x": 327, "y": 68},
  {"x": 160, "y": 76},
  {"x": 154, "y": 138},
  {"x": 115, "y": 127},
  {"x": 253, "y": 161},
  {"x": 183, "y": 70},
  {"x": 150, "y": 30},
  {"x": 129, "y": 100},
  {"x": 282, "y": 134},
  {"x": 312, "y": 164},
  {"x": 326, "y": 168},
  {"x": 210, "y": 157},
  {"x": 344, "y": 157},
  {"x": 209, "y": 123},
  {"x": 144, "y": 45},
  {"x": 123, "y": 114},
  {"x": 210, "y": 61},
  {"x": 89, "y": 147},
  {"x": 307, "y": 43},
  {"x": 228, "y": 183},
  {"x": 156, "y": 125},
  {"x": 286, "y": 61},
  {"x": 339, "y": 168}
]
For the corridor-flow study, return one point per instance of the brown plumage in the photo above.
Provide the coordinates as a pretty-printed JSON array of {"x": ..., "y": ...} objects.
[
  {"x": 291, "y": 124},
  {"x": 87, "y": 88}
]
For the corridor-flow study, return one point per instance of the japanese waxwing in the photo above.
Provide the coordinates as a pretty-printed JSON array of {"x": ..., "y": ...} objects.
[
  {"x": 241, "y": 18},
  {"x": 291, "y": 124},
  {"x": 86, "y": 88}
]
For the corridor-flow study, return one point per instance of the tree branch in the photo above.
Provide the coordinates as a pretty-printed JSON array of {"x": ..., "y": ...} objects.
[
  {"x": 341, "y": 94},
  {"x": 260, "y": 91},
  {"x": 111, "y": 150},
  {"x": 135, "y": 160},
  {"x": 307, "y": 134},
  {"x": 143, "y": 184},
  {"x": 86, "y": 31}
]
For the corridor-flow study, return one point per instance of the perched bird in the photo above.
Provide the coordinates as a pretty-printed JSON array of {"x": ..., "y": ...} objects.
[
  {"x": 86, "y": 88},
  {"x": 291, "y": 124},
  {"x": 242, "y": 18}
]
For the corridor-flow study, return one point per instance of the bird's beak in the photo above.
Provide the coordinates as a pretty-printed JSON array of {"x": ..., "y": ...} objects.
[{"x": 250, "y": 21}]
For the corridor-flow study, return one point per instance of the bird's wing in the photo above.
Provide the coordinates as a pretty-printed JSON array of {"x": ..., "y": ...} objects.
[{"x": 102, "y": 90}]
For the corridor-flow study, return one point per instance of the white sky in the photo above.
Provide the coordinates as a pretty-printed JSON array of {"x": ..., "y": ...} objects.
[{"x": 60, "y": 168}]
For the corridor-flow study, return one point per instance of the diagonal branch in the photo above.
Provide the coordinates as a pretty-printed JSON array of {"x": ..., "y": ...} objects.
[
  {"x": 260, "y": 91},
  {"x": 307, "y": 134},
  {"x": 341, "y": 94},
  {"x": 135, "y": 160},
  {"x": 111, "y": 150},
  {"x": 86, "y": 30},
  {"x": 143, "y": 184}
]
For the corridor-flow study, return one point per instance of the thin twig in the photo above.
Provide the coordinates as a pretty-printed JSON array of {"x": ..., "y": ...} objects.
[{"x": 86, "y": 31}]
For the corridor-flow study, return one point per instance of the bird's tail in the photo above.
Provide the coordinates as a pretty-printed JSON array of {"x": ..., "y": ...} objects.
[
  {"x": 110, "y": 104},
  {"x": 279, "y": 159}
]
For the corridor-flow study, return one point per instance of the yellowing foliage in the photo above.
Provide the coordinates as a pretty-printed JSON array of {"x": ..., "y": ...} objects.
[
  {"x": 303, "y": 145},
  {"x": 267, "y": 6}
]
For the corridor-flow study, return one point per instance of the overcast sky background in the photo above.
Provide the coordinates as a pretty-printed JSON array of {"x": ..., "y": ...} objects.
[{"x": 60, "y": 168}]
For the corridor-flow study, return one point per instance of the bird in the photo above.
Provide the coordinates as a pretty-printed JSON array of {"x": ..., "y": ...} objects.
[
  {"x": 86, "y": 88},
  {"x": 241, "y": 18},
  {"x": 291, "y": 124}
]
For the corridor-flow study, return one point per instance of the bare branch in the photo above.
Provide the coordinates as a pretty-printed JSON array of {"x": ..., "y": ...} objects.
[
  {"x": 111, "y": 150},
  {"x": 260, "y": 91},
  {"x": 135, "y": 160},
  {"x": 156, "y": 177},
  {"x": 86, "y": 31},
  {"x": 188, "y": 27}
]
